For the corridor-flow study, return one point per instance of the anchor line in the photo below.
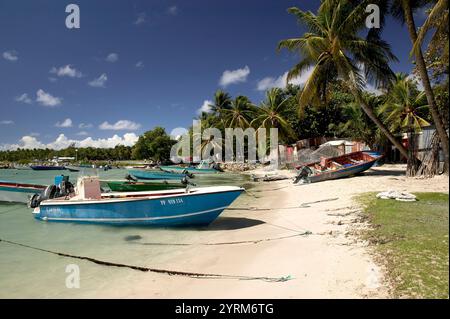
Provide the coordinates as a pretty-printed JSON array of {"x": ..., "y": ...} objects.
[
  {"x": 256, "y": 241},
  {"x": 155, "y": 270}
]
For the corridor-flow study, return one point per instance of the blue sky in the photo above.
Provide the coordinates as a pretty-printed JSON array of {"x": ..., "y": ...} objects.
[{"x": 136, "y": 64}]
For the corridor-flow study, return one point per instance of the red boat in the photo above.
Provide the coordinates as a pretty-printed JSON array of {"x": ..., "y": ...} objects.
[{"x": 336, "y": 167}]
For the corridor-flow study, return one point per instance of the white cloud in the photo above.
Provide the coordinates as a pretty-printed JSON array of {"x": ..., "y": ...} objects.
[
  {"x": 66, "y": 123},
  {"x": 10, "y": 56},
  {"x": 99, "y": 82},
  {"x": 35, "y": 134},
  {"x": 177, "y": 132},
  {"x": 23, "y": 98},
  {"x": 82, "y": 133},
  {"x": 66, "y": 70},
  {"x": 173, "y": 10},
  {"x": 280, "y": 82},
  {"x": 120, "y": 125},
  {"x": 234, "y": 76},
  {"x": 46, "y": 99},
  {"x": 85, "y": 125},
  {"x": 6, "y": 122},
  {"x": 30, "y": 142},
  {"x": 141, "y": 18},
  {"x": 52, "y": 79},
  {"x": 112, "y": 57},
  {"x": 205, "y": 107},
  {"x": 139, "y": 64}
]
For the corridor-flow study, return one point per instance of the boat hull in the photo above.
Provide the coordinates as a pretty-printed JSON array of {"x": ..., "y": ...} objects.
[
  {"x": 18, "y": 193},
  {"x": 176, "y": 209},
  {"x": 47, "y": 168},
  {"x": 193, "y": 170},
  {"x": 118, "y": 186},
  {"x": 342, "y": 173},
  {"x": 155, "y": 174}
]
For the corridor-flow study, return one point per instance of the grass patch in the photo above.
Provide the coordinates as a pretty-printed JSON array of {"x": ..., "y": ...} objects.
[{"x": 411, "y": 240}]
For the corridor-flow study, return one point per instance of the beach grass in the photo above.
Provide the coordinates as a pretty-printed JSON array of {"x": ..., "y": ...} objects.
[{"x": 411, "y": 241}]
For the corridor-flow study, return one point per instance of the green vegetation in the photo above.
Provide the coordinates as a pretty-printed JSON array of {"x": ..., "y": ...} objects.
[{"x": 411, "y": 240}]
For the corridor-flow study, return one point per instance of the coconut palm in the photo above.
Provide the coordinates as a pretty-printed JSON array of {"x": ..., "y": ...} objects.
[
  {"x": 272, "y": 114},
  {"x": 404, "y": 106},
  {"x": 404, "y": 10},
  {"x": 222, "y": 101},
  {"x": 333, "y": 48},
  {"x": 437, "y": 19},
  {"x": 239, "y": 114}
]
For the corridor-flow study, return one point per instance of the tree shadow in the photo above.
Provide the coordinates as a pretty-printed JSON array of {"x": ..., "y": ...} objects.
[{"x": 384, "y": 172}]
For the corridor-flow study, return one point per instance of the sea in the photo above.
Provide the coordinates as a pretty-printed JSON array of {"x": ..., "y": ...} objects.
[{"x": 29, "y": 270}]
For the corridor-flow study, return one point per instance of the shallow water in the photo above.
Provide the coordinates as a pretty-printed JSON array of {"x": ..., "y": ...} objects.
[{"x": 25, "y": 272}]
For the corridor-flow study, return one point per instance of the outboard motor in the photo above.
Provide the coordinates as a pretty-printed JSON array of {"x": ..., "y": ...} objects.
[
  {"x": 186, "y": 182},
  {"x": 186, "y": 172},
  {"x": 49, "y": 193},
  {"x": 303, "y": 175}
]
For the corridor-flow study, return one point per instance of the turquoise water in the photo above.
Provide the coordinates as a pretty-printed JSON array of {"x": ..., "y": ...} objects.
[{"x": 35, "y": 274}]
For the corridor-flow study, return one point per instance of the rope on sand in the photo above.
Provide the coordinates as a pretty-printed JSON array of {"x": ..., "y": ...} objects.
[
  {"x": 302, "y": 205},
  {"x": 228, "y": 243},
  {"x": 155, "y": 270}
]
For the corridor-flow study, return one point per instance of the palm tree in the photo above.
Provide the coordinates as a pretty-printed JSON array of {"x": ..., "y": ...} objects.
[
  {"x": 222, "y": 102},
  {"x": 438, "y": 19},
  {"x": 239, "y": 114},
  {"x": 404, "y": 106},
  {"x": 272, "y": 114},
  {"x": 334, "y": 49},
  {"x": 404, "y": 11},
  {"x": 403, "y": 113}
]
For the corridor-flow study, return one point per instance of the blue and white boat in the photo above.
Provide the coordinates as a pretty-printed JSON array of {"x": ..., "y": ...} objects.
[
  {"x": 18, "y": 192},
  {"x": 177, "y": 207},
  {"x": 156, "y": 174},
  {"x": 204, "y": 167}
]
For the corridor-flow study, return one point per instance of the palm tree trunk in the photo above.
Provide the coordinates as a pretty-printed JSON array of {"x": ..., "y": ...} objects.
[
  {"x": 426, "y": 85},
  {"x": 368, "y": 110}
]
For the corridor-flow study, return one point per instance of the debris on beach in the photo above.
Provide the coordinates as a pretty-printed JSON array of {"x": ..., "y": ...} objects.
[
  {"x": 269, "y": 178},
  {"x": 397, "y": 195}
]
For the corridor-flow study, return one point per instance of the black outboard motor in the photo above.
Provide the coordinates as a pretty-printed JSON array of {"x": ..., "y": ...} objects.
[
  {"x": 185, "y": 181},
  {"x": 303, "y": 175},
  {"x": 186, "y": 172},
  {"x": 50, "y": 192}
]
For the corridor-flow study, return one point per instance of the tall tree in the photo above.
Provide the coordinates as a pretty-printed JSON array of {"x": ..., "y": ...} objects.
[
  {"x": 240, "y": 112},
  {"x": 272, "y": 114},
  {"x": 404, "y": 10},
  {"x": 334, "y": 48}
]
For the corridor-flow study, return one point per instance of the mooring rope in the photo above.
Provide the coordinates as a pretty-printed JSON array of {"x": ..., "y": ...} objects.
[
  {"x": 255, "y": 241},
  {"x": 155, "y": 270}
]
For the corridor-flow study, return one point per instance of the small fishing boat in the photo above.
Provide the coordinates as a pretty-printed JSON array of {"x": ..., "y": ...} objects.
[
  {"x": 135, "y": 186},
  {"x": 72, "y": 168},
  {"x": 204, "y": 167},
  {"x": 47, "y": 167},
  {"x": 178, "y": 207},
  {"x": 18, "y": 192},
  {"x": 336, "y": 167},
  {"x": 157, "y": 174}
]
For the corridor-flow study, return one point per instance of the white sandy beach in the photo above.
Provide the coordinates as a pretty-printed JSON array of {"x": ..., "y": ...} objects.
[{"x": 329, "y": 263}]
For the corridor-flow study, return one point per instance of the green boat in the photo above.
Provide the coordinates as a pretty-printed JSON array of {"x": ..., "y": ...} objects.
[{"x": 133, "y": 186}]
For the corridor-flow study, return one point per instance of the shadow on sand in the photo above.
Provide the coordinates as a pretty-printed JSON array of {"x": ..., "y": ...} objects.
[
  {"x": 384, "y": 172},
  {"x": 231, "y": 223}
]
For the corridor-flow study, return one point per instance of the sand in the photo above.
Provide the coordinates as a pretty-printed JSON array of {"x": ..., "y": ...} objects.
[{"x": 328, "y": 263}]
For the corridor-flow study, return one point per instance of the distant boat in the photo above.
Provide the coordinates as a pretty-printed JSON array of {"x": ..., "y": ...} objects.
[
  {"x": 179, "y": 207},
  {"x": 135, "y": 186},
  {"x": 203, "y": 168},
  {"x": 18, "y": 192},
  {"x": 47, "y": 167},
  {"x": 72, "y": 168},
  {"x": 156, "y": 174},
  {"x": 22, "y": 167},
  {"x": 336, "y": 167}
]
